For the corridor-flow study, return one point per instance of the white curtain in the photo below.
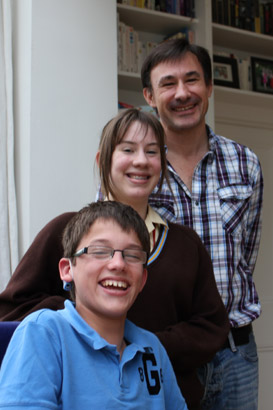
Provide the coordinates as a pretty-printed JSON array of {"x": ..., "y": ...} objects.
[{"x": 8, "y": 213}]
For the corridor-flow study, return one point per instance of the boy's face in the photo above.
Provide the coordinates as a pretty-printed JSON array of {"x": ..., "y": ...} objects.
[
  {"x": 179, "y": 93},
  {"x": 106, "y": 288}
]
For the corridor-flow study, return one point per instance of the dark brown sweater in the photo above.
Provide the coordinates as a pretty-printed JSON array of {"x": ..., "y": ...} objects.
[{"x": 180, "y": 301}]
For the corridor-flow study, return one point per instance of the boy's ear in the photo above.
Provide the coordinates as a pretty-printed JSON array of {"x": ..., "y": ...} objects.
[
  {"x": 148, "y": 95},
  {"x": 65, "y": 270},
  {"x": 98, "y": 158},
  {"x": 144, "y": 278}
]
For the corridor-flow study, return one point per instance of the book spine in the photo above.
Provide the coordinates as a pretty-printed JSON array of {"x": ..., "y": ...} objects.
[
  {"x": 237, "y": 13},
  {"x": 257, "y": 20},
  {"x": 266, "y": 19},
  {"x": 232, "y": 13},
  {"x": 220, "y": 9}
]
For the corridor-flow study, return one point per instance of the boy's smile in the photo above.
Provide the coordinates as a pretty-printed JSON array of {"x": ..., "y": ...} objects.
[{"x": 106, "y": 288}]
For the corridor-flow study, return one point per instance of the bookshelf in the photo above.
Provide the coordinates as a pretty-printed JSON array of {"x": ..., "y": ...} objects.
[
  {"x": 156, "y": 25},
  {"x": 152, "y": 21},
  {"x": 238, "y": 39}
]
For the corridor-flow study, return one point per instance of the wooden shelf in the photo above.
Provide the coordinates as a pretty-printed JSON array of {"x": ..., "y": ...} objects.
[
  {"x": 151, "y": 21},
  {"x": 238, "y": 39},
  {"x": 129, "y": 81},
  {"x": 243, "y": 97}
]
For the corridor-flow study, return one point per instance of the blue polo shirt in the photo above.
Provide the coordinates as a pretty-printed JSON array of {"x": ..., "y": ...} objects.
[{"x": 55, "y": 360}]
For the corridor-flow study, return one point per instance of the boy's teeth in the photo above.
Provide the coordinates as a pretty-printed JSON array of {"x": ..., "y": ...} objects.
[{"x": 115, "y": 284}]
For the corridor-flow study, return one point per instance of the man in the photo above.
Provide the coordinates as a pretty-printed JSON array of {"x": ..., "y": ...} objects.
[{"x": 217, "y": 184}]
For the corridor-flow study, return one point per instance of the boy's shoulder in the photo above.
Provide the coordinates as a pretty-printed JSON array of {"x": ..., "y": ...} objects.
[{"x": 47, "y": 318}]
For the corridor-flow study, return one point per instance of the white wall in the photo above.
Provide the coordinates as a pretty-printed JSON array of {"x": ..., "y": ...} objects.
[{"x": 65, "y": 90}]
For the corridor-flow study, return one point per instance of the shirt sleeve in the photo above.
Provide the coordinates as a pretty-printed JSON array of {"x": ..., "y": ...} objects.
[
  {"x": 31, "y": 374},
  {"x": 253, "y": 232}
]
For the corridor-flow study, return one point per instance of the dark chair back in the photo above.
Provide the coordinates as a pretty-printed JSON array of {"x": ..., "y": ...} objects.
[{"x": 6, "y": 331}]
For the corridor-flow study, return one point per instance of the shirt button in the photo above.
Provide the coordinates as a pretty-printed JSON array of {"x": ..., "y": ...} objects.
[{"x": 196, "y": 203}]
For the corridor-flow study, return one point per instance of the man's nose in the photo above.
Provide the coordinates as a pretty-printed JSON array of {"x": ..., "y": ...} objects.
[{"x": 182, "y": 91}]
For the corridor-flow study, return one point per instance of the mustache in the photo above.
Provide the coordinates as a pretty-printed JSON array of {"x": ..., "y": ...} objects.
[{"x": 178, "y": 103}]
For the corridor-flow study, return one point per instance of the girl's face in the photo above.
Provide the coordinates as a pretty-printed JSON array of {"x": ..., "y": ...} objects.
[{"x": 136, "y": 165}]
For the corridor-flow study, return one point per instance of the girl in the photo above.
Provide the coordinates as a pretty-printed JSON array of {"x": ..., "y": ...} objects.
[{"x": 180, "y": 301}]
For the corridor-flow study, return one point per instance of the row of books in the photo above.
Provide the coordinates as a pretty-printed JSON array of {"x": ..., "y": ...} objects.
[
  {"x": 252, "y": 15},
  {"x": 179, "y": 7},
  {"x": 132, "y": 51}
]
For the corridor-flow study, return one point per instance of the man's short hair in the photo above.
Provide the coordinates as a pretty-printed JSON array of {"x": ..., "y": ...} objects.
[
  {"x": 172, "y": 51},
  {"x": 124, "y": 215}
]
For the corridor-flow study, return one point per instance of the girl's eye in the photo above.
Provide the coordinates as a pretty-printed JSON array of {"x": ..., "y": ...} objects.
[{"x": 127, "y": 150}]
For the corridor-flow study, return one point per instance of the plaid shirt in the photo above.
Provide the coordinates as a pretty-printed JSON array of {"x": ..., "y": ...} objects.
[{"x": 224, "y": 208}]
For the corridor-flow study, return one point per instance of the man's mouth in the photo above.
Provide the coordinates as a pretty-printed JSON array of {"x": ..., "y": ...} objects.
[
  {"x": 181, "y": 109},
  {"x": 114, "y": 284}
]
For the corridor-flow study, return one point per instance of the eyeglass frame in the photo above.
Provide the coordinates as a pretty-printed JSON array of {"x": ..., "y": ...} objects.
[{"x": 112, "y": 253}]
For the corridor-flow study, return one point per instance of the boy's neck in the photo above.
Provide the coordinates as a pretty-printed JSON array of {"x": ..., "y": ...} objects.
[{"x": 110, "y": 329}]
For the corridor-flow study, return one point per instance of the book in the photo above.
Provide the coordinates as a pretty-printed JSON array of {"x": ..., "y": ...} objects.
[
  {"x": 141, "y": 54},
  {"x": 257, "y": 20},
  {"x": 232, "y": 12}
]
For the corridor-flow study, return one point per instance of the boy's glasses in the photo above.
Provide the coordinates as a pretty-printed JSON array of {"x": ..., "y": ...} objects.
[{"x": 105, "y": 253}]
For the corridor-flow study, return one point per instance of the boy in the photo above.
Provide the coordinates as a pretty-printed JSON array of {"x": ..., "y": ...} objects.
[{"x": 88, "y": 355}]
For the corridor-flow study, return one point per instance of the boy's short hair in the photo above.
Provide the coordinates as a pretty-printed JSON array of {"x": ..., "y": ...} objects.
[
  {"x": 171, "y": 51},
  {"x": 124, "y": 215},
  {"x": 112, "y": 135}
]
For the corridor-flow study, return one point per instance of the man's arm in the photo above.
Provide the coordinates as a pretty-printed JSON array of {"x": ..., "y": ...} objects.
[{"x": 253, "y": 232}]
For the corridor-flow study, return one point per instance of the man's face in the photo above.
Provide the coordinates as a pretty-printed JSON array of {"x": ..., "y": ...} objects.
[
  {"x": 179, "y": 93},
  {"x": 107, "y": 288}
]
